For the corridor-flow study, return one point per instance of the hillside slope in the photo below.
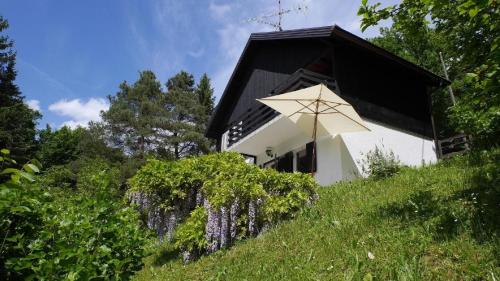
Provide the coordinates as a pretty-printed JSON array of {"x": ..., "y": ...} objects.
[{"x": 439, "y": 222}]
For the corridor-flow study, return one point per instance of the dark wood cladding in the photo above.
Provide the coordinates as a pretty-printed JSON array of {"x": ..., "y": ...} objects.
[
  {"x": 380, "y": 85},
  {"x": 270, "y": 64},
  {"x": 375, "y": 80}
]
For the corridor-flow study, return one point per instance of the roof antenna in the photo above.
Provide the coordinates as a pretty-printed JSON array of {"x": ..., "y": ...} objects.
[{"x": 267, "y": 19}]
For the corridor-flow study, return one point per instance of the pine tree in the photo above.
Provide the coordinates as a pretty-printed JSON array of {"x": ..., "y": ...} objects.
[
  {"x": 137, "y": 117},
  {"x": 204, "y": 91},
  {"x": 17, "y": 120},
  {"x": 187, "y": 117}
]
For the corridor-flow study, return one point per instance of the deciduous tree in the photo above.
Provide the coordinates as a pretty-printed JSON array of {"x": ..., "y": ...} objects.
[{"x": 470, "y": 31}]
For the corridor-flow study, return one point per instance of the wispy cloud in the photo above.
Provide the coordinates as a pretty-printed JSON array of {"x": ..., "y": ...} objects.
[
  {"x": 218, "y": 11},
  {"x": 80, "y": 113},
  {"x": 33, "y": 104},
  {"x": 198, "y": 53},
  {"x": 49, "y": 79}
]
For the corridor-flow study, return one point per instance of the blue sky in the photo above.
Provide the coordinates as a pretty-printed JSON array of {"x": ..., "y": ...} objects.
[{"x": 72, "y": 54}]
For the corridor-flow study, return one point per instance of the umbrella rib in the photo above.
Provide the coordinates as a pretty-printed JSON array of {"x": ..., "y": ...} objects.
[
  {"x": 306, "y": 106},
  {"x": 329, "y": 107},
  {"x": 354, "y": 121},
  {"x": 288, "y": 99},
  {"x": 298, "y": 111}
]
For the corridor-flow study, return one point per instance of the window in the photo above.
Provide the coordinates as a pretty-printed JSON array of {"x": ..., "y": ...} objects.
[
  {"x": 285, "y": 163},
  {"x": 304, "y": 159}
]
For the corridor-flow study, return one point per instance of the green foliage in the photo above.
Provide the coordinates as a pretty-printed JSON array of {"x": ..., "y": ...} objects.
[
  {"x": 58, "y": 177},
  {"x": 76, "y": 237},
  {"x": 94, "y": 174},
  {"x": 468, "y": 33},
  {"x": 379, "y": 164},
  {"x": 135, "y": 115},
  {"x": 93, "y": 143},
  {"x": 144, "y": 120},
  {"x": 84, "y": 175},
  {"x": 288, "y": 193},
  {"x": 188, "y": 115},
  {"x": 17, "y": 120},
  {"x": 228, "y": 177},
  {"x": 226, "y": 181},
  {"x": 85, "y": 238},
  {"x": 369, "y": 229},
  {"x": 205, "y": 93},
  {"x": 190, "y": 236},
  {"x": 59, "y": 147}
]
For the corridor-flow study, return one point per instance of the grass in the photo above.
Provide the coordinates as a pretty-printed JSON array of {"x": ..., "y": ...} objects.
[{"x": 439, "y": 222}]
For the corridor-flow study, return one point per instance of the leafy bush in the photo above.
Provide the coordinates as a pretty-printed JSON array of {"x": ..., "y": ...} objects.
[
  {"x": 83, "y": 174},
  {"x": 79, "y": 237},
  {"x": 59, "y": 176},
  {"x": 86, "y": 238},
  {"x": 379, "y": 164},
  {"x": 22, "y": 209},
  {"x": 190, "y": 236},
  {"x": 97, "y": 173},
  {"x": 217, "y": 198}
]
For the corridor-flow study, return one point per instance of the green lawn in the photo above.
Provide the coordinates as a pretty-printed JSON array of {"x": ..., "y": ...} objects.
[{"x": 439, "y": 222}]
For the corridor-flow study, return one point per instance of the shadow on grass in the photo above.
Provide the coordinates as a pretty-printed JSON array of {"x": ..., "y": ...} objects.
[
  {"x": 166, "y": 255},
  {"x": 484, "y": 196},
  {"x": 476, "y": 209}
]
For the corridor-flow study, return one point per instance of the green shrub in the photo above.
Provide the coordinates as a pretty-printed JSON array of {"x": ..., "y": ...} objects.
[
  {"x": 86, "y": 238},
  {"x": 58, "y": 177},
  {"x": 79, "y": 237},
  {"x": 190, "y": 236},
  {"x": 97, "y": 173},
  {"x": 289, "y": 192},
  {"x": 22, "y": 210},
  {"x": 227, "y": 199},
  {"x": 379, "y": 164}
]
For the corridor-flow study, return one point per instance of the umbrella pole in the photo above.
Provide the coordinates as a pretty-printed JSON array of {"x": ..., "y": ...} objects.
[{"x": 314, "y": 141}]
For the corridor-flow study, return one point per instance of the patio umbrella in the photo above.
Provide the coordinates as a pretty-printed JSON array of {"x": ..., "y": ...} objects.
[{"x": 318, "y": 112}]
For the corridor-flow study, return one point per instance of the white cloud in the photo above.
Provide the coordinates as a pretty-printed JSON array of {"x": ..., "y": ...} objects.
[
  {"x": 33, "y": 104},
  {"x": 219, "y": 11},
  {"x": 80, "y": 113}
]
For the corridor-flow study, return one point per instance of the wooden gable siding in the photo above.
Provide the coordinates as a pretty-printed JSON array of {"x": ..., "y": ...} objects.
[
  {"x": 271, "y": 63},
  {"x": 374, "y": 80}
]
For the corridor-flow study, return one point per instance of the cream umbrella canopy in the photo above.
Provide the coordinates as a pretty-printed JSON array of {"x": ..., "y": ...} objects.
[{"x": 318, "y": 112}]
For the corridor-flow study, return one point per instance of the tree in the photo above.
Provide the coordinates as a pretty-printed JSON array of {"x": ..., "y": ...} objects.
[
  {"x": 137, "y": 117},
  {"x": 93, "y": 144},
  {"x": 205, "y": 92},
  {"x": 470, "y": 33},
  {"x": 17, "y": 120},
  {"x": 59, "y": 147},
  {"x": 187, "y": 116}
]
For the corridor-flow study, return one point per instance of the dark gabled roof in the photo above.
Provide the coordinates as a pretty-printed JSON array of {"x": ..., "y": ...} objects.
[{"x": 317, "y": 32}]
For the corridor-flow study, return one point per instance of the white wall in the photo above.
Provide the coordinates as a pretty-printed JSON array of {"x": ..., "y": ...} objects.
[
  {"x": 411, "y": 149},
  {"x": 340, "y": 157}
]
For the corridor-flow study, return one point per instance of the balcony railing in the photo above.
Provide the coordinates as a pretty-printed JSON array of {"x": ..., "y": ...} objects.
[{"x": 454, "y": 145}]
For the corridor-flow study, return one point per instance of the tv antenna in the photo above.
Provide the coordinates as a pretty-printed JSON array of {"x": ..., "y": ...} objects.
[{"x": 267, "y": 19}]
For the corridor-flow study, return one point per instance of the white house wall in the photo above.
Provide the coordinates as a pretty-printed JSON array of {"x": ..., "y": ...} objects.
[
  {"x": 340, "y": 157},
  {"x": 411, "y": 149}
]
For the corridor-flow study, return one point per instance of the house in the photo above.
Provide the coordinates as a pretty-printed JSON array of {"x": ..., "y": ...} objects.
[{"x": 391, "y": 95}]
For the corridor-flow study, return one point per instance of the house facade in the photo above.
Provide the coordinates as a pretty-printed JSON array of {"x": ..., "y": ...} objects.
[{"x": 391, "y": 95}]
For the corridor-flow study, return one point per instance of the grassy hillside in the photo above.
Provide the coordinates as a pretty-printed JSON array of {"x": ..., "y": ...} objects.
[{"x": 439, "y": 222}]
